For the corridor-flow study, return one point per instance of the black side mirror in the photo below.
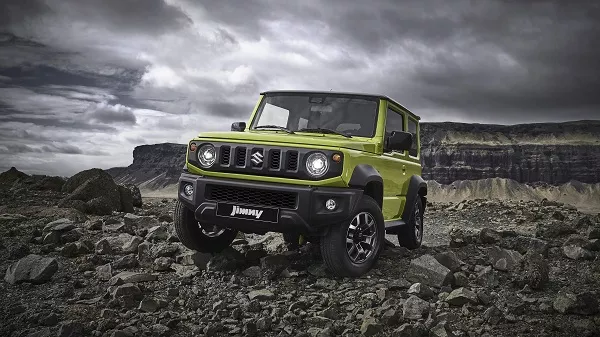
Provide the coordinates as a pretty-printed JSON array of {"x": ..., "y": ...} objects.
[
  {"x": 238, "y": 126},
  {"x": 398, "y": 141}
]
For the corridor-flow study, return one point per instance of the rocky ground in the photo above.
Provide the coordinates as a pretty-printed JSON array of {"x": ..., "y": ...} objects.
[{"x": 488, "y": 268}]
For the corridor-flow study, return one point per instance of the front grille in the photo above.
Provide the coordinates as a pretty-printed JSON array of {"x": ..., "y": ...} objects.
[
  {"x": 225, "y": 155},
  {"x": 275, "y": 159},
  {"x": 280, "y": 199},
  {"x": 292, "y": 161},
  {"x": 240, "y": 156}
]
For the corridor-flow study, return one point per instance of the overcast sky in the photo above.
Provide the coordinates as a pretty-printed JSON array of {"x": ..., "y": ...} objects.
[{"x": 82, "y": 82}]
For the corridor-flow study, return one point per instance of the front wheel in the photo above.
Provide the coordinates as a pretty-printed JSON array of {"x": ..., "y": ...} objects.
[
  {"x": 200, "y": 237},
  {"x": 352, "y": 248}
]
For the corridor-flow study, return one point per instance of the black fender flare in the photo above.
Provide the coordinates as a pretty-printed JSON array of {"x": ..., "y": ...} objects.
[
  {"x": 416, "y": 186},
  {"x": 365, "y": 175}
]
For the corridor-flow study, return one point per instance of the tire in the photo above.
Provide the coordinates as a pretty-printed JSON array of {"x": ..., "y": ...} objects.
[
  {"x": 337, "y": 252},
  {"x": 192, "y": 236},
  {"x": 409, "y": 237}
]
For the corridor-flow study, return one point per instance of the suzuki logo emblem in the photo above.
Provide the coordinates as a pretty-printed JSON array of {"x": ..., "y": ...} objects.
[{"x": 257, "y": 158}]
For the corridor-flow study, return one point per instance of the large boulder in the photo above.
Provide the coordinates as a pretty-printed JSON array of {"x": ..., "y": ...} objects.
[
  {"x": 427, "y": 270},
  {"x": 97, "y": 190},
  {"x": 135, "y": 194},
  {"x": 32, "y": 268}
]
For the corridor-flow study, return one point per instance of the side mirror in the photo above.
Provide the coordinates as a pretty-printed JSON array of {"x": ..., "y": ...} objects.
[
  {"x": 398, "y": 141},
  {"x": 238, "y": 126}
]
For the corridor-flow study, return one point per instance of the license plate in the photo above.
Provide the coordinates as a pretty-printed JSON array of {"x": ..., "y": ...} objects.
[{"x": 248, "y": 212}]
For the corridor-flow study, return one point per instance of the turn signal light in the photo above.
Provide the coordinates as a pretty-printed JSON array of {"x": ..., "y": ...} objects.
[
  {"x": 193, "y": 147},
  {"x": 336, "y": 158}
]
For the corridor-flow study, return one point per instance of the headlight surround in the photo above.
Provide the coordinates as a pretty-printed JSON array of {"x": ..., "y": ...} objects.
[
  {"x": 207, "y": 155},
  {"x": 317, "y": 164}
]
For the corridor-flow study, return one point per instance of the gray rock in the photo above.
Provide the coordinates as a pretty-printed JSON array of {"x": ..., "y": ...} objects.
[
  {"x": 137, "y": 221},
  {"x": 415, "y": 308},
  {"x": 104, "y": 272},
  {"x": 131, "y": 246},
  {"x": 272, "y": 265},
  {"x": 318, "y": 321},
  {"x": 135, "y": 277},
  {"x": 426, "y": 269},
  {"x": 149, "y": 305},
  {"x": 136, "y": 196},
  {"x": 253, "y": 272},
  {"x": 261, "y": 295},
  {"x": 492, "y": 315},
  {"x": 488, "y": 235},
  {"x": 504, "y": 259},
  {"x": 420, "y": 290},
  {"x": 577, "y": 253},
  {"x": 370, "y": 327},
  {"x": 71, "y": 235},
  {"x": 126, "y": 262},
  {"x": 51, "y": 238},
  {"x": 157, "y": 233},
  {"x": 585, "y": 303},
  {"x": 32, "y": 269},
  {"x": 163, "y": 263},
  {"x": 103, "y": 247},
  {"x": 440, "y": 330},
  {"x": 126, "y": 290},
  {"x": 535, "y": 271},
  {"x": 449, "y": 260},
  {"x": 60, "y": 225},
  {"x": 70, "y": 329},
  {"x": 410, "y": 330},
  {"x": 461, "y": 279},
  {"x": 461, "y": 296},
  {"x": 227, "y": 260},
  {"x": 486, "y": 277},
  {"x": 198, "y": 259}
]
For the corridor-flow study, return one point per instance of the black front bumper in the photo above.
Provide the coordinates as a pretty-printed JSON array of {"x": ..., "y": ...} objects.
[{"x": 307, "y": 215}]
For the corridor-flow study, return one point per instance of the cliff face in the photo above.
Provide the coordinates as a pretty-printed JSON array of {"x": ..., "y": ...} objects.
[
  {"x": 553, "y": 153},
  {"x": 154, "y": 166}
]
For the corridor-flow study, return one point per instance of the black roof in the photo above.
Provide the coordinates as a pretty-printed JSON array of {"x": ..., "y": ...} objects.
[{"x": 341, "y": 93}]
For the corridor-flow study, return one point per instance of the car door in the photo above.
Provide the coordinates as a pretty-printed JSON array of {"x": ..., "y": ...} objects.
[{"x": 395, "y": 167}]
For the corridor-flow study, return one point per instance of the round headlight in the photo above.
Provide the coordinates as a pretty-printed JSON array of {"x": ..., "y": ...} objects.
[
  {"x": 207, "y": 155},
  {"x": 317, "y": 164}
]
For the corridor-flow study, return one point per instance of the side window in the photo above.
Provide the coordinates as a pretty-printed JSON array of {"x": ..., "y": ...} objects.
[
  {"x": 393, "y": 122},
  {"x": 412, "y": 128}
]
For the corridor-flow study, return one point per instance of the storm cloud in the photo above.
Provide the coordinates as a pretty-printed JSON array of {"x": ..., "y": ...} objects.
[{"x": 89, "y": 80}]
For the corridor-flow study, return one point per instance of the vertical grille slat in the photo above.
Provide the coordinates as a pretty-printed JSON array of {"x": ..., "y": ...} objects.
[
  {"x": 225, "y": 155},
  {"x": 292, "y": 161},
  {"x": 240, "y": 156},
  {"x": 275, "y": 159}
]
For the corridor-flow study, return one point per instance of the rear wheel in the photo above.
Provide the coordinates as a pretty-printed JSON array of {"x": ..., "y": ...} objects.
[
  {"x": 352, "y": 248},
  {"x": 200, "y": 237},
  {"x": 411, "y": 235}
]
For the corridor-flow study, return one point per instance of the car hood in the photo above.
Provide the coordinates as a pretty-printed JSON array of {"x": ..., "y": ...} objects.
[{"x": 299, "y": 139}]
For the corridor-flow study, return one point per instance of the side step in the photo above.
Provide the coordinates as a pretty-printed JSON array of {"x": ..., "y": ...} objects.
[{"x": 393, "y": 227}]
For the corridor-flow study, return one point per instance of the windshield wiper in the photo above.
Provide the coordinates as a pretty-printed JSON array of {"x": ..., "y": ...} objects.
[
  {"x": 325, "y": 130},
  {"x": 273, "y": 127}
]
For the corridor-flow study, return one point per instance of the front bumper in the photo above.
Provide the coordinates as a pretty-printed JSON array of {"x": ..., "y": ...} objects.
[{"x": 307, "y": 215}]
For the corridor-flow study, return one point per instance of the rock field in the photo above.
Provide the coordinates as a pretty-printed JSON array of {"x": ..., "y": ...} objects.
[{"x": 98, "y": 267}]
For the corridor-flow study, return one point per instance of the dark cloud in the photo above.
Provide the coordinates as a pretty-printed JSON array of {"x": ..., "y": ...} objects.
[{"x": 154, "y": 16}]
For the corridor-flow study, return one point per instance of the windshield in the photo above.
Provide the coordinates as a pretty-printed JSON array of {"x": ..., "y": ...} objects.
[{"x": 347, "y": 114}]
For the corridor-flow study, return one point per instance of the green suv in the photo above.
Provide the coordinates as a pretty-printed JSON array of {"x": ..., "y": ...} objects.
[{"x": 337, "y": 169}]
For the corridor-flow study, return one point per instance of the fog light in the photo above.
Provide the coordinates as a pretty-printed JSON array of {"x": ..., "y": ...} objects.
[
  {"x": 330, "y": 204},
  {"x": 188, "y": 190}
]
